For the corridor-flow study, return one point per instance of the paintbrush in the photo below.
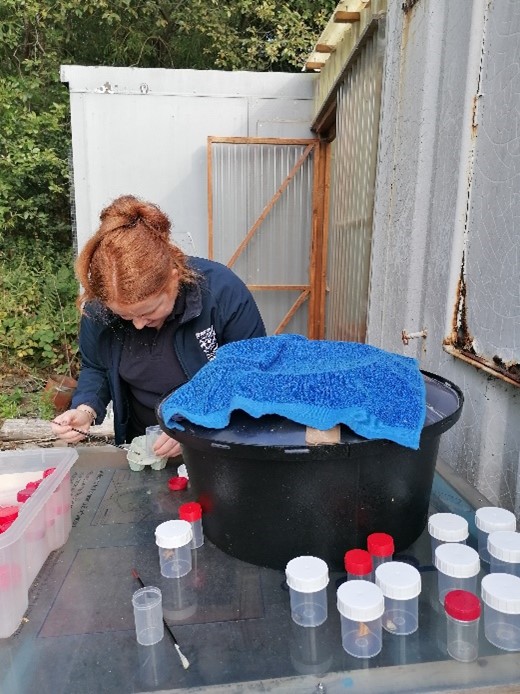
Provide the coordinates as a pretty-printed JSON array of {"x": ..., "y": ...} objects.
[
  {"x": 91, "y": 436},
  {"x": 185, "y": 662}
]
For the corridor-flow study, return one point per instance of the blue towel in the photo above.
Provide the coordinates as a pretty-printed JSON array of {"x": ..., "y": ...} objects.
[{"x": 318, "y": 383}]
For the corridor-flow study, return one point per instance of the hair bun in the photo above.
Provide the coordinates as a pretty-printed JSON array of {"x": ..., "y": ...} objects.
[
  {"x": 127, "y": 210},
  {"x": 153, "y": 217}
]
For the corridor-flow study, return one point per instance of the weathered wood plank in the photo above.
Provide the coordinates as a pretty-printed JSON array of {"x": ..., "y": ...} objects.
[
  {"x": 316, "y": 437},
  {"x": 34, "y": 429}
]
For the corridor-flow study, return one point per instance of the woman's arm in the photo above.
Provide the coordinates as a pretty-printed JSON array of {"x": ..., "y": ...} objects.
[
  {"x": 93, "y": 388},
  {"x": 92, "y": 393}
]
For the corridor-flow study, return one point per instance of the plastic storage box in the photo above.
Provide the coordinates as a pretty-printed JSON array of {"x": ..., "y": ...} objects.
[{"x": 43, "y": 523}]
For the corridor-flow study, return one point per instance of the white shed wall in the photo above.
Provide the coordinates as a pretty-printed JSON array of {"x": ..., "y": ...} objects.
[
  {"x": 443, "y": 177},
  {"x": 143, "y": 132}
]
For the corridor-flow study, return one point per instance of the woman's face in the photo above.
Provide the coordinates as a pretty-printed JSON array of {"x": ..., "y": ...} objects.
[{"x": 152, "y": 311}]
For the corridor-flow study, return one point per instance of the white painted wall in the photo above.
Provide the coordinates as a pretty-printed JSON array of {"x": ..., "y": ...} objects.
[
  {"x": 448, "y": 189},
  {"x": 143, "y": 132}
]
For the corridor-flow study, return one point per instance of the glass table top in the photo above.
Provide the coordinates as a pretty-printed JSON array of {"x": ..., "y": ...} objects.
[{"x": 231, "y": 619}]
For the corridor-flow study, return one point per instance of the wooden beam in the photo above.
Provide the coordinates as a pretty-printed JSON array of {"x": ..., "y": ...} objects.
[
  {"x": 290, "y": 313},
  {"x": 324, "y": 48},
  {"x": 209, "y": 183},
  {"x": 324, "y": 121},
  {"x": 314, "y": 65},
  {"x": 39, "y": 429},
  {"x": 318, "y": 252},
  {"x": 342, "y": 17},
  {"x": 320, "y": 288},
  {"x": 316, "y": 437},
  {"x": 261, "y": 140}
]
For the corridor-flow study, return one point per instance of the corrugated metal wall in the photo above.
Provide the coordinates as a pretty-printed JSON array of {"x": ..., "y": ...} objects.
[{"x": 352, "y": 193}]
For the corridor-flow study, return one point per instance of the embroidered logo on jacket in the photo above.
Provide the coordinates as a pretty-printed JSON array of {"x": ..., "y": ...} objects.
[{"x": 208, "y": 341}]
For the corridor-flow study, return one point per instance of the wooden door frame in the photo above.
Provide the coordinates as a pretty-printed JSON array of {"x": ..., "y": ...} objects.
[{"x": 315, "y": 290}]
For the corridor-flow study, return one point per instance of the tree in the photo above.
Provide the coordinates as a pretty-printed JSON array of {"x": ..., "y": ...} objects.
[
  {"x": 37, "y": 36},
  {"x": 38, "y": 320}
]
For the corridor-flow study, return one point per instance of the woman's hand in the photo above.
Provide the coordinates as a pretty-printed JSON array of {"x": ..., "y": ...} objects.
[
  {"x": 63, "y": 423},
  {"x": 166, "y": 447}
]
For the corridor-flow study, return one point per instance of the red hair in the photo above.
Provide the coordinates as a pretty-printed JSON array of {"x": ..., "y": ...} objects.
[{"x": 130, "y": 257}]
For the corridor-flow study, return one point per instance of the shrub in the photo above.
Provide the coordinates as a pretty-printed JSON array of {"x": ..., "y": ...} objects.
[{"x": 38, "y": 317}]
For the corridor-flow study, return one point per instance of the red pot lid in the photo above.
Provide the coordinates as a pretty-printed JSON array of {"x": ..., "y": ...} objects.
[
  {"x": 8, "y": 514},
  {"x": 191, "y": 511},
  {"x": 358, "y": 562},
  {"x": 177, "y": 483}
]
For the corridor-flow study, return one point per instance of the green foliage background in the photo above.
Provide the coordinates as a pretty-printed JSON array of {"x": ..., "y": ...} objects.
[{"x": 38, "y": 319}]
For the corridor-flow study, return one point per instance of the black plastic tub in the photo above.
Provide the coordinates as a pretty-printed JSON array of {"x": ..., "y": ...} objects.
[{"x": 268, "y": 497}]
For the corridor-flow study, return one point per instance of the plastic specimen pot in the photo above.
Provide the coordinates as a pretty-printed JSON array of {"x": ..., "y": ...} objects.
[{"x": 148, "y": 615}]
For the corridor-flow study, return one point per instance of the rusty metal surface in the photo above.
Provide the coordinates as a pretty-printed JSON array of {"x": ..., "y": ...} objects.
[
  {"x": 461, "y": 343},
  {"x": 485, "y": 324},
  {"x": 408, "y": 4}
]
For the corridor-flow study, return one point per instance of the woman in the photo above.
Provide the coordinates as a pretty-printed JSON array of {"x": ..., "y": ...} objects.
[{"x": 151, "y": 318}]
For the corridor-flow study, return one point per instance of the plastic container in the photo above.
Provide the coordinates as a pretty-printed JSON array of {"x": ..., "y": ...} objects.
[
  {"x": 148, "y": 615},
  {"x": 361, "y": 605},
  {"x": 256, "y": 478},
  {"x": 463, "y": 617},
  {"x": 310, "y": 649},
  {"x": 192, "y": 512},
  {"x": 446, "y": 527},
  {"x": 501, "y": 598},
  {"x": 504, "y": 552},
  {"x": 152, "y": 434},
  {"x": 177, "y": 484},
  {"x": 381, "y": 547},
  {"x": 180, "y": 599},
  {"x": 182, "y": 471},
  {"x": 37, "y": 546},
  {"x": 173, "y": 538},
  {"x": 488, "y": 520},
  {"x": 138, "y": 457},
  {"x": 458, "y": 566},
  {"x": 60, "y": 389},
  {"x": 358, "y": 565},
  {"x": 401, "y": 586},
  {"x": 57, "y": 514},
  {"x": 37, "y": 530},
  {"x": 307, "y": 579}
]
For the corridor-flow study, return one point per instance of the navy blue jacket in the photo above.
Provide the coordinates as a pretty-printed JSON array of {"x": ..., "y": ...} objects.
[{"x": 219, "y": 309}]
